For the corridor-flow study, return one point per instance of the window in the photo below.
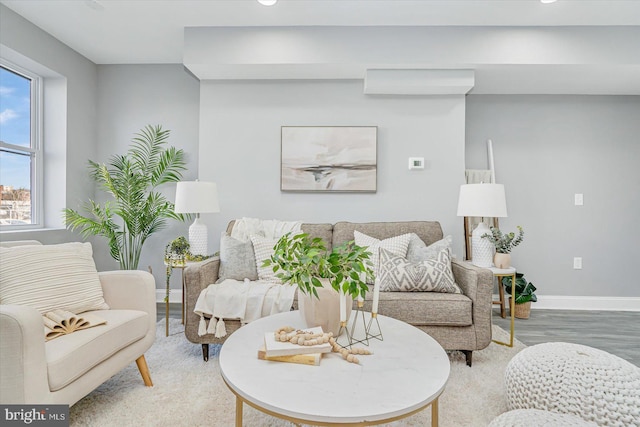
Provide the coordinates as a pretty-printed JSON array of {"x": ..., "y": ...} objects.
[{"x": 20, "y": 148}]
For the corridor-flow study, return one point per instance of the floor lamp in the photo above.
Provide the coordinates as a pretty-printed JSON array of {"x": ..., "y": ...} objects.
[
  {"x": 196, "y": 197},
  {"x": 487, "y": 201}
]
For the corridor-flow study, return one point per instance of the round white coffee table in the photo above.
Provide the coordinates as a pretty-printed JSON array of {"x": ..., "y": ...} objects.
[{"x": 407, "y": 372}]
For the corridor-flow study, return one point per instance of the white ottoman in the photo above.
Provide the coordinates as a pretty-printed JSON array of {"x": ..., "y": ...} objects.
[
  {"x": 537, "y": 418},
  {"x": 575, "y": 379}
]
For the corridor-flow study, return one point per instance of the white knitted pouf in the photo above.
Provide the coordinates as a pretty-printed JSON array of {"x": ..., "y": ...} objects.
[
  {"x": 538, "y": 418},
  {"x": 575, "y": 379}
]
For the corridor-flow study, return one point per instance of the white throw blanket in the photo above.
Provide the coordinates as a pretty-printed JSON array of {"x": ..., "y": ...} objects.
[
  {"x": 245, "y": 301},
  {"x": 268, "y": 228}
]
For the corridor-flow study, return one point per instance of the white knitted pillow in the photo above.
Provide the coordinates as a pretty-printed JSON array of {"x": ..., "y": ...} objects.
[
  {"x": 263, "y": 249},
  {"x": 49, "y": 277},
  {"x": 397, "y": 245}
]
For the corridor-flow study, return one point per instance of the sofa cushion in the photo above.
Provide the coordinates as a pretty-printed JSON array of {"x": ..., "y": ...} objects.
[
  {"x": 237, "y": 260},
  {"x": 418, "y": 251},
  {"x": 433, "y": 275},
  {"x": 397, "y": 245},
  {"x": 49, "y": 277},
  {"x": 71, "y": 356},
  {"x": 263, "y": 249},
  {"x": 425, "y": 308}
]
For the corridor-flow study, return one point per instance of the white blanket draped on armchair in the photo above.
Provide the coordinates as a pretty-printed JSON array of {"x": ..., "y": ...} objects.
[{"x": 246, "y": 301}]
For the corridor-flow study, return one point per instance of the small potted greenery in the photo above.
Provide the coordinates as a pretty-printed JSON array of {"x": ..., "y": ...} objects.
[
  {"x": 176, "y": 252},
  {"x": 503, "y": 243},
  {"x": 524, "y": 293},
  {"x": 305, "y": 262}
]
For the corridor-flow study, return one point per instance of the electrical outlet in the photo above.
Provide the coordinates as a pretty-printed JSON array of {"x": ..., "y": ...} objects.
[
  {"x": 577, "y": 263},
  {"x": 578, "y": 199}
]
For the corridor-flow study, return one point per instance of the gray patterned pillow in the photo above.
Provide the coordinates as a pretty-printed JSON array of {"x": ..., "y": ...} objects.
[
  {"x": 398, "y": 274},
  {"x": 237, "y": 260},
  {"x": 419, "y": 252}
]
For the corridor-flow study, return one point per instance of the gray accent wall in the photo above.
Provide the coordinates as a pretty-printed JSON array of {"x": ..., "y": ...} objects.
[
  {"x": 239, "y": 149},
  {"x": 547, "y": 149},
  {"x": 129, "y": 98}
]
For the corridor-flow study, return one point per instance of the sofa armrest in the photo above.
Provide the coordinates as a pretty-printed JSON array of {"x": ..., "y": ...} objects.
[
  {"x": 197, "y": 276},
  {"x": 477, "y": 284},
  {"x": 23, "y": 370}
]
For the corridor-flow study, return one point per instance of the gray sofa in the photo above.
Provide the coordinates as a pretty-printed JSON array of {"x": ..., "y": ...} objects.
[{"x": 457, "y": 321}]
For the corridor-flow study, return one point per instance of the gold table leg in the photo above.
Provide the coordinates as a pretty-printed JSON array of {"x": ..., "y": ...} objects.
[
  {"x": 434, "y": 413},
  {"x": 512, "y": 306},
  {"x": 238, "y": 411}
]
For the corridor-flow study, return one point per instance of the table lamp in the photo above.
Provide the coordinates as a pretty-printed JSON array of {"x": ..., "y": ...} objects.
[
  {"x": 196, "y": 197},
  {"x": 482, "y": 200}
]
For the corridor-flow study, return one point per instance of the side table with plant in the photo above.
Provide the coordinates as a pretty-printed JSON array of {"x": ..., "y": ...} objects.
[
  {"x": 503, "y": 243},
  {"x": 524, "y": 294}
]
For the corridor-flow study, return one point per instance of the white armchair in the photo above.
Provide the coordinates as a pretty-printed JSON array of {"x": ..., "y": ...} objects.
[{"x": 67, "y": 368}]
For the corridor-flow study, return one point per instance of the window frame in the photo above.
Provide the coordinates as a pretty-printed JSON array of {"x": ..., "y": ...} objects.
[{"x": 35, "y": 150}]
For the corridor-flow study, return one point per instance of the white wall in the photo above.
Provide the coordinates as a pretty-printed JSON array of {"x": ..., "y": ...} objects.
[
  {"x": 547, "y": 148},
  {"x": 129, "y": 98},
  {"x": 240, "y": 150}
]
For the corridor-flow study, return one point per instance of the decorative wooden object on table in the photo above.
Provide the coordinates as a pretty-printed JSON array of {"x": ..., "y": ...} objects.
[{"x": 499, "y": 273}]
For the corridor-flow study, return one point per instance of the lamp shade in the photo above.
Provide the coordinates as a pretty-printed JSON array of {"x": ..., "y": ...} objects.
[
  {"x": 482, "y": 200},
  {"x": 196, "y": 197}
]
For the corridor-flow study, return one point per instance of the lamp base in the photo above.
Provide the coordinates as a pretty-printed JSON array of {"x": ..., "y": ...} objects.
[
  {"x": 481, "y": 249},
  {"x": 198, "y": 240}
]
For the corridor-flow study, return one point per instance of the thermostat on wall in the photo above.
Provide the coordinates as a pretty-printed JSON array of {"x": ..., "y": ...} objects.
[{"x": 416, "y": 163}]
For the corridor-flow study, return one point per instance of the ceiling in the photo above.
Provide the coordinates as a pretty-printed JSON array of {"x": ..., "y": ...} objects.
[{"x": 152, "y": 31}]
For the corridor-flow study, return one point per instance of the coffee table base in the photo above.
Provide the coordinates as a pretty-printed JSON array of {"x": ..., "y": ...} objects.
[{"x": 298, "y": 421}]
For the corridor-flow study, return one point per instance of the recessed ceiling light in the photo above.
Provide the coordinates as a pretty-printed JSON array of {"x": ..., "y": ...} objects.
[
  {"x": 267, "y": 2},
  {"x": 547, "y": 1}
]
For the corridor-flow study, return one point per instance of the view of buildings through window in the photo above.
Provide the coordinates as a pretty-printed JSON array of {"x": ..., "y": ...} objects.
[{"x": 17, "y": 148}]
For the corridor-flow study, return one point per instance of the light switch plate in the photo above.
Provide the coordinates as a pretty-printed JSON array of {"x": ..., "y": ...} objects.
[
  {"x": 416, "y": 163},
  {"x": 578, "y": 199}
]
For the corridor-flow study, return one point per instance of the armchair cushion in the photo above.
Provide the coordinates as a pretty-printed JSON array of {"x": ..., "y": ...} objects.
[
  {"x": 71, "y": 356},
  {"x": 49, "y": 277}
]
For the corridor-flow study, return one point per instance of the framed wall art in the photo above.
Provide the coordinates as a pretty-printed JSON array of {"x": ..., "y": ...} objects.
[{"x": 329, "y": 158}]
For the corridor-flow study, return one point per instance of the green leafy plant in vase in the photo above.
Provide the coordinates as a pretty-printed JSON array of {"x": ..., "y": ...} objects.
[
  {"x": 321, "y": 275},
  {"x": 138, "y": 209},
  {"x": 504, "y": 243},
  {"x": 524, "y": 294}
]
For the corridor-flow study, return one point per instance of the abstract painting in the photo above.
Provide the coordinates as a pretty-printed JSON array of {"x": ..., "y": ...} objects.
[{"x": 329, "y": 158}]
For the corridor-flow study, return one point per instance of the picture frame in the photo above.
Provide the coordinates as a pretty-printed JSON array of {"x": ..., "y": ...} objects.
[{"x": 329, "y": 158}]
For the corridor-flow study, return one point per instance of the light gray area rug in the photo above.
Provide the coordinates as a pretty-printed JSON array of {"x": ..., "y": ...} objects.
[{"x": 190, "y": 392}]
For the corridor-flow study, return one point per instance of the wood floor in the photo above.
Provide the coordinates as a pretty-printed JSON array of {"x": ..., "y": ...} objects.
[{"x": 617, "y": 332}]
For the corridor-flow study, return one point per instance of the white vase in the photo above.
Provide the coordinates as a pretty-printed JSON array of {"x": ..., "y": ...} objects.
[{"x": 323, "y": 311}]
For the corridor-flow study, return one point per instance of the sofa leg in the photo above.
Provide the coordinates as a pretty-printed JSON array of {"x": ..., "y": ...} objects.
[
  {"x": 205, "y": 352},
  {"x": 144, "y": 370},
  {"x": 468, "y": 354}
]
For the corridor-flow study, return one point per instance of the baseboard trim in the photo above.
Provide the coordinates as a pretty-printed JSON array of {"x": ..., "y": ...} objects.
[
  {"x": 175, "y": 296},
  {"x": 567, "y": 302}
]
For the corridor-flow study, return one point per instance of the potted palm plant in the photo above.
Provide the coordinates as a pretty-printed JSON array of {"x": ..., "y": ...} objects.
[
  {"x": 503, "y": 243},
  {"x": 321, "y": 276},
  {"x": 138, "y": 209},
  {"x": 524, "y": 294}
]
